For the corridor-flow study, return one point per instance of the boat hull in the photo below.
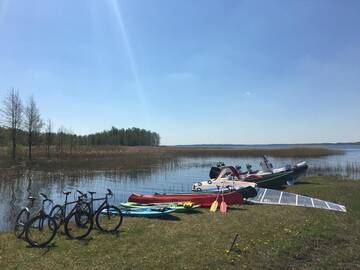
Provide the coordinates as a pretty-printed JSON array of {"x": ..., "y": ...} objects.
[
  {"x": 271, "y": 180},
  {"x": 254, "y": 176},
  {"x": 275, "y": 180},
  {"x": 202, "y": 199}
]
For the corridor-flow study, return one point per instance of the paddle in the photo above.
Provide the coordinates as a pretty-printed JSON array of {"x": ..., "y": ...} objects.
[
  {"x": 215, "y": 204},
  {"x": 223, "y": 205}
]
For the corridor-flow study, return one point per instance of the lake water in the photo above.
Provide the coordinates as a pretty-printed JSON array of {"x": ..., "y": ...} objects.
[{"x": 160, "y": 176}]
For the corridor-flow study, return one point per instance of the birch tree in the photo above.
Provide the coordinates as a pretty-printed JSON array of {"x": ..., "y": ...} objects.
[
  {"x": 49, "y": 136},
  {"x": 33, "y": 123},
  {"x": 12, "y": 113}
]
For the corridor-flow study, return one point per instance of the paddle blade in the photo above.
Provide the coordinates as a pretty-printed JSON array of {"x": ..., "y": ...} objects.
[
  {"x": 223, "y": 207},
  {"x": 214, "y": 206}
]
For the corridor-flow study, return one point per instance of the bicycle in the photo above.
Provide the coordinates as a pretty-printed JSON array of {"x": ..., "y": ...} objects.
[
  {"x": 22, "y": 218},
  {"x": 81, "y": 228},
  {"x": 41, "y": 229},
  {"x": 108, "y": 217},
  {"x": 58, "y": 212},
  {"x": 78, "y": 223}
]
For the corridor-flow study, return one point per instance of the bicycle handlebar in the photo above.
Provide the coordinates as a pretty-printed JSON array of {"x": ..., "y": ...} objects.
[
  {"x": 47, "y": 200},
  {"x": 46, "y": 197},
  {"x": 81, "y": 193}
]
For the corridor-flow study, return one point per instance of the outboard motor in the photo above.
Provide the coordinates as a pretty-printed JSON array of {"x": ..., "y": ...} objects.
[
  {"x": 288, "y": 167},
  {"x": 215, "y": 171},
  {"x": 220, "y": 164}
]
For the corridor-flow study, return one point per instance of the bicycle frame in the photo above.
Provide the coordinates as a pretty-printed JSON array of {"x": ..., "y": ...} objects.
[
  {"x": 30, "y": 205},
  {"x": 105, "y": 202},
  {"x": 75, "y": 208},
  {"x": 91, "y": 203},
  {"x": 41, "y": 211}
]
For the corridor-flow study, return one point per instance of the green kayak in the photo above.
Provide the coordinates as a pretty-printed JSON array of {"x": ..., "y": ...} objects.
[{"x": 180, "y": 207}]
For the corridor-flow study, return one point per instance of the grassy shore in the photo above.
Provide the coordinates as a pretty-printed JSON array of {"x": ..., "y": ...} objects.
[{"x": 270, "y": 237}]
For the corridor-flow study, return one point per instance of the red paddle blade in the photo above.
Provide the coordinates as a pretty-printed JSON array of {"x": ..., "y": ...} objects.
[{"x": 223, "y": 207}]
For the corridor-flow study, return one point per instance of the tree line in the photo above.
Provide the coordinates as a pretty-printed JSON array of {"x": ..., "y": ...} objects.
[{"x": 22, "y": 124}]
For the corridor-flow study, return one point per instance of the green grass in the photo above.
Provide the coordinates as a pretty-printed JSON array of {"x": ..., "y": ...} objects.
[{"x": 270, "y": 237}]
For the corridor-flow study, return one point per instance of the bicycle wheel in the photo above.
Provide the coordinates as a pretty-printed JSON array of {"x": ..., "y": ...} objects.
[
  {"x": 20, "y": 223},
  {"x": 57, "y": 213},
  {"x": 109, "y": 218},
  {"x": 40, "y": 230},
  {"x": 84, "y": 207},
  {"x": 78, "y": 225}
]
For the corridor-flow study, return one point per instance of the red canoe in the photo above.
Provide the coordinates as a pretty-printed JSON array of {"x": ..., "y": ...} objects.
[{"x": 203, "y": 199}]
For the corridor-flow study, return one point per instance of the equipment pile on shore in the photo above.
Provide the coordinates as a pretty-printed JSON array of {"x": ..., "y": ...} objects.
[{"x": 227, "y": 186}]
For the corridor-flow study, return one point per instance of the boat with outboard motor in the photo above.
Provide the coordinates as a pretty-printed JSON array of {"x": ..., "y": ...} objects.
[
  {"x": 266, "y": 169},
  {"x": 230, "y": 178}
]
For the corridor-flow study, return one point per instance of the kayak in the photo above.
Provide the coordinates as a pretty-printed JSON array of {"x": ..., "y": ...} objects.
[
  {"x": 145, "y": 212},
  {"x": 247, "y": 192},
  {"x": 180, "y": 207},
  {"x": 202, "y": 199}
]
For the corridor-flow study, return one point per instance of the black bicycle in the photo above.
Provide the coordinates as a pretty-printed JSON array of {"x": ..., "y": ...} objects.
[
  {"x": 108, "y": 217},
  {"x": 78, "y": 223},
  {"x": 41, "y": 229},
  {"x": 23, "y": 218},
  {"x": 58, "y": 212}
]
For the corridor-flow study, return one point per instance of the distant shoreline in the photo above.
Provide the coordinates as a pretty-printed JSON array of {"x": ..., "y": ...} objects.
[{"x": 277, "y": 145}]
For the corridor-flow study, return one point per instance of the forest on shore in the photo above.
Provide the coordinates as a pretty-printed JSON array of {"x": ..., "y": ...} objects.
[{"x": 22, "y": 125}]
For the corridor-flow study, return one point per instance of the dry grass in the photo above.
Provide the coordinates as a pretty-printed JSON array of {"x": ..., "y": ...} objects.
[
  {"x": 123, "y": 157},
  {"x": 231, "y": 152},
  {"x": 115, "y": 151}
]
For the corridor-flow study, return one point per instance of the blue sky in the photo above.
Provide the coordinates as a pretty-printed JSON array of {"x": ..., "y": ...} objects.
[{"x": 194, "y": 71}]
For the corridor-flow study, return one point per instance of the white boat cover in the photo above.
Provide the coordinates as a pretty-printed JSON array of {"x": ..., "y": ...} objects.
[{"x": 278, "y": 197}]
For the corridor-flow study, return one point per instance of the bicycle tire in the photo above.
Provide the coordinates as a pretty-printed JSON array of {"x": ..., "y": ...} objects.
[
  {"x": 51, "y": 223},
  {"x": 87, "y": 225},
  {"x": 108, "y": 212},
  {"x": 57, "y": 212},
  {"x": 84, "y": 207},
  {"x": 20, "y": 223}
]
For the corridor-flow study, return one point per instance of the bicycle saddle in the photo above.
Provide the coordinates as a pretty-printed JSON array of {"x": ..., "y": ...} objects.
[
  {"x": 66, "y": 192},
  {"x": 31, "y": 198},
  {"x": 91, "y": 192}
]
